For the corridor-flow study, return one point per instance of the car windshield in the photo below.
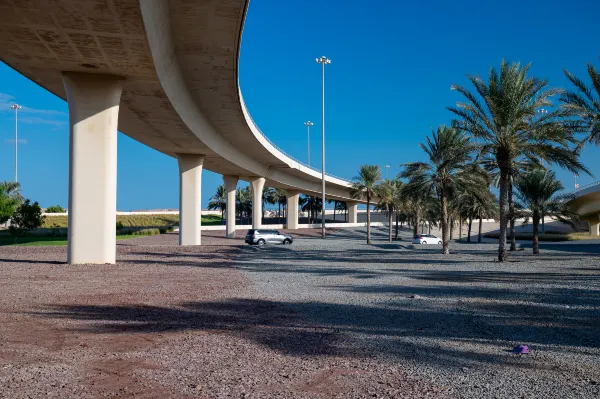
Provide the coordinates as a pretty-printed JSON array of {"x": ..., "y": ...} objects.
[{"x": 251, "y": 231}]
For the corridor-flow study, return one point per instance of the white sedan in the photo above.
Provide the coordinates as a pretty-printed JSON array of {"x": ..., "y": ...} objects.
[{"x": 426, "y": 239}]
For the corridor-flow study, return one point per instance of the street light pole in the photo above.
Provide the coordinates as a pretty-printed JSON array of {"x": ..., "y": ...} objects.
[
  {"x": 323, "y": 61},
  {"x": 308, "y": 124},
  {"x": 16, "y": 107},
  {"x": 387, "y": 167}
]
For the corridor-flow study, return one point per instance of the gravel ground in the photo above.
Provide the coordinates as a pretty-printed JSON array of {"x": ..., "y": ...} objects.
[
  {"x": 317, "y": 319},
  {"x": 450, "y": 319}
]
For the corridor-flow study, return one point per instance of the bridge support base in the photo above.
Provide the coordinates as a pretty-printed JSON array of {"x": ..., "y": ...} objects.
[
  {"x": 257, "y": 194},
  {"x": 230, "y": 186},
  {"x": 594, "y": 228},
  {"x": 352, "y": 212},
  {"x": 293, "y": 199},
  {"x": 93, "y": 101},
  {"x": 190, "y": 185}
]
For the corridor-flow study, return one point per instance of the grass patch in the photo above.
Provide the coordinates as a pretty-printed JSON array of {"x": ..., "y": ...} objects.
[
  {"x": 137, "y": 220},
  {"x": 43, "y": 241},
  {"x": 551, "y": 236}
]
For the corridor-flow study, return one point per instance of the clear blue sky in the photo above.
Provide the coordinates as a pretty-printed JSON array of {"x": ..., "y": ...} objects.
[{"x": 388, "y": 85}]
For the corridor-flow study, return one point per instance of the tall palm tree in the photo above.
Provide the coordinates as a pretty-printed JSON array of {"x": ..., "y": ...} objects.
[
  {"x": 447, "y": 172},
  {"x": 219, "y": 201},
  {"x": 500, "y": 117},
  {"x": 387, "y": 201},
  {"x": 537, "y": 192},
  {"x": 585, "y": 104},
  {"x": 364, "y": 186}
]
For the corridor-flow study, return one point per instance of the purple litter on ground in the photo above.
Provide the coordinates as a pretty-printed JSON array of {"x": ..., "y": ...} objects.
[{"x": 521, "y": 349}]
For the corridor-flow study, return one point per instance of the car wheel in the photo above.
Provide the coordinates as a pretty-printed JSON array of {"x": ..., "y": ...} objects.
[
  {"x": 439, "y": 242},
  {"x": 423, "y": 242},
  {"x": 287, "y": 242},
  {"x": 260, "y": 242}
]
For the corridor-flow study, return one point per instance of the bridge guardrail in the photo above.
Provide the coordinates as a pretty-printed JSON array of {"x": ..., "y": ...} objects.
[
  {"x": 291, "y": 157},
  {"x": 597, "y": 183}
]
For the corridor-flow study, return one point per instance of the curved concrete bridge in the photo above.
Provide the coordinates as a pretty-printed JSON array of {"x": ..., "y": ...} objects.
[
  {"x": 586, "y": 202},
  {"x": 164, "y": 72}
]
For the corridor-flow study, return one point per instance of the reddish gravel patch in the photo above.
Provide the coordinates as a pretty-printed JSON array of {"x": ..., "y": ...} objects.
[{"x": 167, "y": 321}]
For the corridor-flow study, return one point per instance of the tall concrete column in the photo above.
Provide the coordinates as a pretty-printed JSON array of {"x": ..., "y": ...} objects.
[
  {"x": 352, "y": 212},
  {"x": 230, "y": 186},
  {"x": 190, "y": 186},
  {"x": 93, "y": 117},
  {"x": 257, "y": 192},
  {"x": 293, "y": 200}
]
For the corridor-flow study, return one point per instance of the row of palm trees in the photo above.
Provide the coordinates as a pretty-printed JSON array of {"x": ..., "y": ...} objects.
[
  {"x": 504, "y": 133},
  {"x": 271, "y": 196}
]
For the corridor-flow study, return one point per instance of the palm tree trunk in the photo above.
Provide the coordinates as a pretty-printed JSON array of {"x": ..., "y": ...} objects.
[
  {"x": 536, "y": 245},
  {"x": 503, "y": 197},
  {"x": 397, "y": 225},
  {"x": 480, "y": 223},
  {"x": 334, "y": 208},
  {"x": 368, "y": 219},
  {"x": 445, "y": 239},
  {"x": 279, "y": 211},
  {"x": 451, "y": 222},
  {"x": 390, "y": 225},
  {"x": 511, "y": 213},
  {"x": 460, "y": 223},
  {"x": 416, "y": 225},
  {"x": 469, "y": 232}
]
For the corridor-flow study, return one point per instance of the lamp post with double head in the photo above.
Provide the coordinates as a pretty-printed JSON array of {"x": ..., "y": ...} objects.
[
  {"x": 323, "y": 61},
  {"x": 16, "y": 107}
]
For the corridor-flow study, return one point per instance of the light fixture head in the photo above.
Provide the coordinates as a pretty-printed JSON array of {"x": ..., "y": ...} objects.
[
  {"x": 15, "y": 106},
  {"x": 323, "y": 60}
]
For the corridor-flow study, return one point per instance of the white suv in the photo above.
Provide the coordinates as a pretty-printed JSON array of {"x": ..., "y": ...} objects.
[{"x": 426, "y": 239}]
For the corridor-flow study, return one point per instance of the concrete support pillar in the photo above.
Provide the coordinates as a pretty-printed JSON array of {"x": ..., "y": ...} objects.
[
  {"x": 190, "y": 186},
  {"x": 293, "y": 200},
  {"x": 594, "y": 228},
  {"x": 257, "y": 192},
  {"x": 230, "y": 186},
  {"x": 93, "y": 117},
  {"x": 352, "y": 212}
]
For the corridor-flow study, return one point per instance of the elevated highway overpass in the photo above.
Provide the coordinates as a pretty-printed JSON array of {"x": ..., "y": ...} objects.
[
  {"x": 586, "y": 202},
  {"x": 165, "y": 73}
]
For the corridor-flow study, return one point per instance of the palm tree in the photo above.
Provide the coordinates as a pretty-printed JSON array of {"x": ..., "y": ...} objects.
[
  {"x": 537, "y": 194},
  {"x": 343, "y": 208},
  {"x": 386, "y": 192},
  {"x": 312, "y": 205},
  {"x": 364, "y": 186},
  {"x": 243, "y": 199},
  {"x": 447, "y": 173},
  {"x": 585, "y": 104},
  {"x": 268, "y": 197},
  {"x": 279, "y": 197},
  {"x": 500, "y": 117},
  {"x": 219, "y": 201}
]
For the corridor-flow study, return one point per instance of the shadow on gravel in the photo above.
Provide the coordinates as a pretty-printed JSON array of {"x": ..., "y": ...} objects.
[{"x": 317, "y": 328}]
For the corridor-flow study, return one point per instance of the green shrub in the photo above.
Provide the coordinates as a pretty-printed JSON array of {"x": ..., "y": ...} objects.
[
  {"x": 55, "y": 209},
  {"x": 119, "y": 226},
  {"x": 27, "y": 217}
]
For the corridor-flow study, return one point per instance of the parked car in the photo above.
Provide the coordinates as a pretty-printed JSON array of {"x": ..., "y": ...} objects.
[
  {"x": 426, "y": 239},
  {"x": 263, "y": 236}
]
